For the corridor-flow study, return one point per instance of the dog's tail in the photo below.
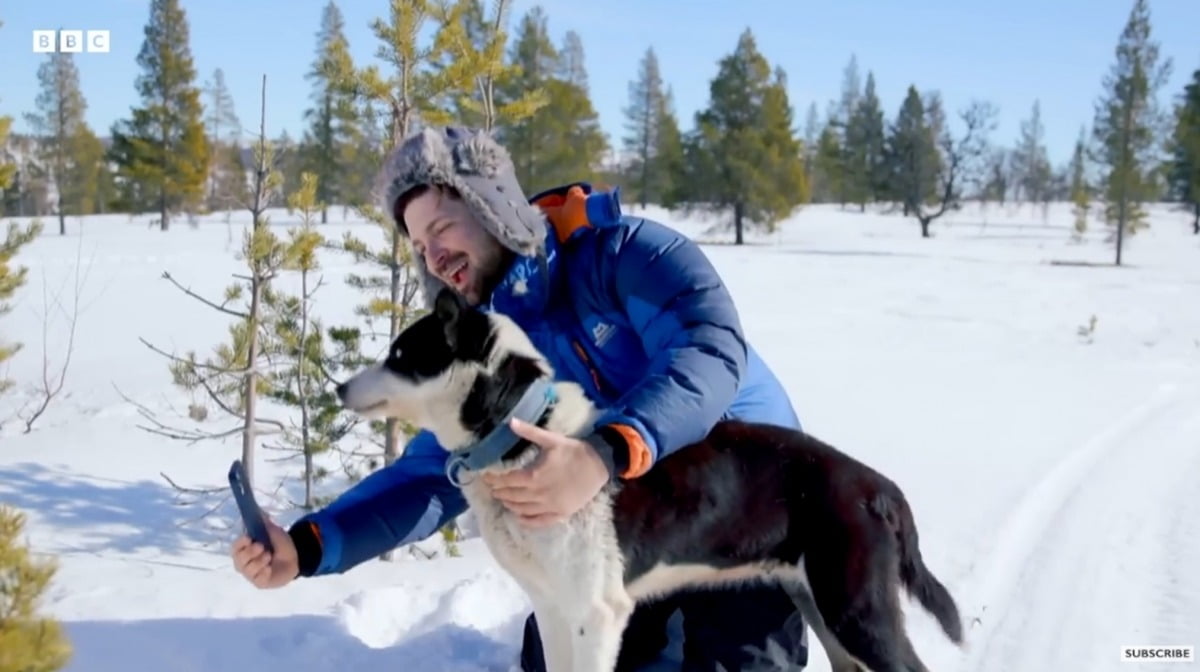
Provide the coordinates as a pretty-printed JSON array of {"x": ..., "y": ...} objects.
[{"x": 916, "y": 577}]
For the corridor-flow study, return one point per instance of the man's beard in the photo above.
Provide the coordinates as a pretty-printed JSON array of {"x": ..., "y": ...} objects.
[{"x": 491, "y": 276}]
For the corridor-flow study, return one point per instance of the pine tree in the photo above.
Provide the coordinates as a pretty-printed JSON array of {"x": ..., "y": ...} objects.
[
  {"x": 864, "y": 149},
  {"x": 224, "y": 130},
  {"x": 851, "y": 94},
  {"x": 61, "y": 130},
  {"x": 1185, "y": 150},
  {"x": 668, "y": 154},
  {"x": 997, "y": 181},
  {"x": 828, "y": 164},
  {"x": 220, "y": 119},
  {"x": 12, "y": 277},
  {"x": 784, "y": 186},
  {"x": 1080, "y": 189},
  {"x": 812, "y": 141},
  {"x": 333, "y": 138},
  {"x": 571, "y": 66},
  {"x": 475, "y": 58},
  {"x": 744, "y": 156},
  {"x": 161, "y": 152},
  {"x": 913, "y": 154},
  {"x": 1126, "y": 126},
  {"x": 563, "y": 139},
  {"x": 1030, "y": 163},
  {"x": 642, "y": 124},
  {"x": 88, "y": 187},
  {"x": 929, "y": 165},
  {"x": 28, "y": 642}
]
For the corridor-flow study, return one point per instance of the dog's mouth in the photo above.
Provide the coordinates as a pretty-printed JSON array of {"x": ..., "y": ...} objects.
[{"x": 369, "y": 409}]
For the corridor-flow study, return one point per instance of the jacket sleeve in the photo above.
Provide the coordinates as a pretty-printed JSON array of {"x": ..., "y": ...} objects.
[
  {"x": 404, "y": 502},
  {"x": 674, "y": 299}
]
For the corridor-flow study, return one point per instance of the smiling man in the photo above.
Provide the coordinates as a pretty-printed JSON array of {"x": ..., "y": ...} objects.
[{"x": 626, "y": 307}]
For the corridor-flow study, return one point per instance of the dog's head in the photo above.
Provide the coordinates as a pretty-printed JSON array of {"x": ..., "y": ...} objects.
[{"x": 456, "y": 371}]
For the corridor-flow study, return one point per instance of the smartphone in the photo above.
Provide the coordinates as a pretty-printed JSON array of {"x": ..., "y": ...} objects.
[{"x": 252, "y": 516}]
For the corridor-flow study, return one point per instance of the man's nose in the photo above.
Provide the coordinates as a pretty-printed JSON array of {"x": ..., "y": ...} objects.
[{"x": 435, "y": 258}]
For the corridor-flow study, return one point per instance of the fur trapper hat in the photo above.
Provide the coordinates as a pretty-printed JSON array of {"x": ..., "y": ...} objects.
[{"x": 476, "y": 166}]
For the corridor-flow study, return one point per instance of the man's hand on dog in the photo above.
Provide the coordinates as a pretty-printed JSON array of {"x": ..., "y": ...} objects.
[{"x": 566, "y": 475}]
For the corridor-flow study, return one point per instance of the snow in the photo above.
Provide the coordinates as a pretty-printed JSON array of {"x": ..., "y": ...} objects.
[{"x": 1051, "y": 472}]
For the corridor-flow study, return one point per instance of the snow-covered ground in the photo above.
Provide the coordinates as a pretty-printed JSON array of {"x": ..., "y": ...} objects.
[{"x": 1052, "y": 472}]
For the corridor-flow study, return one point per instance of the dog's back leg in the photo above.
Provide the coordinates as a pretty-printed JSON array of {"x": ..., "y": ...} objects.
[
  {"x": 797, "y": 587},
  {"x": 859, "y": 603}
]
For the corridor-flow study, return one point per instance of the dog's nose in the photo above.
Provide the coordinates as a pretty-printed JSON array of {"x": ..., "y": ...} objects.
[{"x": 341, "y": 391}]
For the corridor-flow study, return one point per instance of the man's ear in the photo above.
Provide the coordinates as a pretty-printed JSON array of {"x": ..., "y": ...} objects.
[{"x": 448, "y": 306}]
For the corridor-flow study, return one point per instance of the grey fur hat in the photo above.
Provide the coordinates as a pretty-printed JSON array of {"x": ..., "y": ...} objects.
[{"x": 471, "y": 162}]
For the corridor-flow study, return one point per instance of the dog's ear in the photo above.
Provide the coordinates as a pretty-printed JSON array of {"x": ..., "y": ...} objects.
[{"x": 449, "y": 307}]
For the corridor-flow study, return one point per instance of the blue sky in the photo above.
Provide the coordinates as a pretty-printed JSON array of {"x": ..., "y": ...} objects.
[{"x": 1009, "y": 51}]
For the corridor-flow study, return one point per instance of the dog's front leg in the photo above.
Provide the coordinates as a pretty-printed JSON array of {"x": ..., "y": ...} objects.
[
  {"x": 555, "y": 634},
  {"x": 597, "y": 629}
]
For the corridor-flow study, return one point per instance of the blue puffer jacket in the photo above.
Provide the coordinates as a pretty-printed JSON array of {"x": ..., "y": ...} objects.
[{"x": 628, "y": 308}]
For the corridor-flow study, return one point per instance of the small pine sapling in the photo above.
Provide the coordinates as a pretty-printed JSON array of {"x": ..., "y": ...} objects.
[
  {"x": 304, "y": 377},
  {"x": 237, "y": 374},
  {"x": 29, "y": 642}
]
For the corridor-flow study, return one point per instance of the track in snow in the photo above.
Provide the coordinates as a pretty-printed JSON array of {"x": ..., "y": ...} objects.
[{"x": 1104, "y": 552}]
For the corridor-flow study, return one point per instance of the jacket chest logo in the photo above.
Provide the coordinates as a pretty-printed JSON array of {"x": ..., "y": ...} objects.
[{"x": 602, "y": 333}]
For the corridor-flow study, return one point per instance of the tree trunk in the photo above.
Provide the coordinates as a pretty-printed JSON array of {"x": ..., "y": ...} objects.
[
  {"x": 251, "y": 384},
  {"x": 738, "y": 224},
  {"x": 1196, "y": 218},
  {"x": 302, "y": 393},
  {"x": 925, "y": 221}
]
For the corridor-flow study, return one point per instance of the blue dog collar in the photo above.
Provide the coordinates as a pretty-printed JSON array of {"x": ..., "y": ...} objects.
[{"x": 492, "y": 448}]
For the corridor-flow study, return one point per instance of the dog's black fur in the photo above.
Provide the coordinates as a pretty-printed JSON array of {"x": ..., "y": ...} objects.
[{"x": 747, "y": 494}]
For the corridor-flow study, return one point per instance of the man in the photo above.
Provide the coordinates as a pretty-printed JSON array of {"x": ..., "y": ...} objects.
[{"x": 626, "y": 307}]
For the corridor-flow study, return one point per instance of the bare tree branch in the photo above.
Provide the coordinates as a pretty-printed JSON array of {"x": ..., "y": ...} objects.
[
  {"x": 221, "y": 307},
  {"x": 195, "y": 363},
  {"x": 52, "y": 385},
  {"x": 161, "y": 428},
  {"x": 194, "y": 491}
]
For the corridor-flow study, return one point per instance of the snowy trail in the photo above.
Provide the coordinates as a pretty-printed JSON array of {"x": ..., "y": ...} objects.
[{"x": 1102, "y": 553}]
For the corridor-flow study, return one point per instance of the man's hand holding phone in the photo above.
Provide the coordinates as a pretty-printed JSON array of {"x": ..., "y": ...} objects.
[
  {"x": 263, "y": 568},
  {"x": 266, "y": 554}
]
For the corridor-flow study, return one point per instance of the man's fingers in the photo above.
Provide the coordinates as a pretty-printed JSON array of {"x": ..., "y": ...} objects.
[
  {"x": 518, "y": 478},
  {"x": 531, "y": 432},
  {"x": 516, "y": 495},
  {"x": 241, "y": 544},
  {"x": 245, "y": 554}
]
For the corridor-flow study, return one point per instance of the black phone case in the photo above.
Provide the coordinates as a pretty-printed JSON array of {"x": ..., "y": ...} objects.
[{"x": 252, "y": 516}]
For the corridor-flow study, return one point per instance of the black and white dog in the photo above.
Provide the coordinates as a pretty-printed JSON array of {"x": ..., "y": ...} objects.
[{"x": 750, "y": 502}]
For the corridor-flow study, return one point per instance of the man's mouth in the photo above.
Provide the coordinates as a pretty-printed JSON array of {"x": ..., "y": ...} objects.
[{"x": 458, "y": 273}]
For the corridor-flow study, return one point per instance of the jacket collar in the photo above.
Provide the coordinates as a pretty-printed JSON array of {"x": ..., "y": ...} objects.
[{"x": 532, "y": 282}]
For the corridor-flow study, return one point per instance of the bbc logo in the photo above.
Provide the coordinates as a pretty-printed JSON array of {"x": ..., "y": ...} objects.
[{"x": 70, "y": 41}]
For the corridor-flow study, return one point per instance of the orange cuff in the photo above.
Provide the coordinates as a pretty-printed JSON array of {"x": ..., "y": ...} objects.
[{"x": 639, "y": 452}]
